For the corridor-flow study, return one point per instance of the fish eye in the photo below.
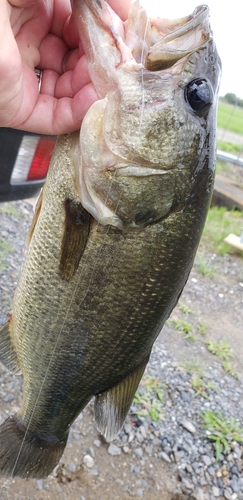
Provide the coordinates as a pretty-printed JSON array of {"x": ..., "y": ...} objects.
[{"x": 199, "y": 95}]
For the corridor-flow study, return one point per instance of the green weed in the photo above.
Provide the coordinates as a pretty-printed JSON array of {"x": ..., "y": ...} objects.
[
  {"x": 184, "y": 308},
  {"x": 201, "y": 386},
  {"x": 202, "y": 328},
  {"x": 204, "y": 267},
  {"x": 149, "y": 398},
  {"x": 5, "y": 249},
  {"x": 222, "y": 431},
  {"x": 220, "y": 349},
  {"x": 229, "y": 368},
  {"x": 183, "y": 327},
  {"x": 9, "y": 209}
]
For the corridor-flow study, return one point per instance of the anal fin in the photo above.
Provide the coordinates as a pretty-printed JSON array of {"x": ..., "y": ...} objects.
[
  {"x": 8, "y": 356},
  {"x": 111, "y": 407}
]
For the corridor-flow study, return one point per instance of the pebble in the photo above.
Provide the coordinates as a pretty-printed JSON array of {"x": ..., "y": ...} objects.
[
  {"x": 88, "y": 461},
  {"x": 164, "y": 456},
  {"x": 114, "y": 450},
  {"x": 215, "y": 491},
  {"x": 188, "y": 426},
  {"x": 207, "y": 460},
  {"x": 138, "y": 452}
]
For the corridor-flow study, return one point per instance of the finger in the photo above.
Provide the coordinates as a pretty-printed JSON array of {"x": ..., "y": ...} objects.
[
  {"x": 59, "y": 116},
  {"x": 121, "y": 8},
  {"x": 21, "y": 3},
  {"x": 72, "y": 81},
  {"x": 53, "y": 51}
]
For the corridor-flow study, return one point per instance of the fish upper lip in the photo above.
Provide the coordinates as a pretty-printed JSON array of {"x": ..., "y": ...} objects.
[{"x": 183, "y": 37}]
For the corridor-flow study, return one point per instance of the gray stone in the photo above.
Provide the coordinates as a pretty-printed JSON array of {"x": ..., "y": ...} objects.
[
  {"x": 164, "y": 456},
  {"x": 8, "y": 398},
  {"x": 207, "y": 460},
  {"x": 199, "y": 495},
  {"x": 240, "y": 483},
  {"x": 97, "y": 443},
  {"x": 186, "y": 396},
  {"x": 93, "y": 472},
  {"x": 88, "y": 461},
  {"x": 211, "y": 471},
  {"x": 90, "y": 451},
  {"x": 126, "y": 449},
  {"x": 149, "y": 450},
  {"x": 216, "y": 491},
  {"x": 179, "y": 455},
  {"x": 71, "y": 467},
  {"x": 39, "y": 484},
  {"x": 127, "y": 428},
  {"x": 114, "y": 450},
  {"x": 187, "y": 483},
  {"x": 188, "y": 426},
  {"x": 227, "y": 495},
  {"x": 234, "y": 484},
  {"x": 138, "y": 452}
]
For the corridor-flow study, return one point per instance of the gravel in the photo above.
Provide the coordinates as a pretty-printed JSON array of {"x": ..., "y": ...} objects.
[{"x": 176, "y": 441}]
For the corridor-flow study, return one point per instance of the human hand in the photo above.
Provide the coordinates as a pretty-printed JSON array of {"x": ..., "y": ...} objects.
[{"x": 43, "y": 34}]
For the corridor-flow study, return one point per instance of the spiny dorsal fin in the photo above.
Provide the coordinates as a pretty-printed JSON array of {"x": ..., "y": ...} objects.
[
  {"x": 111, "y": 407},
  {"x": 76, "y": 232},
  {"x": 8, "y": 356}
]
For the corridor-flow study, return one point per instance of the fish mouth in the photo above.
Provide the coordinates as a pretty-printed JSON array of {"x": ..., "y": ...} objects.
[{"x": 173, "y": 40}]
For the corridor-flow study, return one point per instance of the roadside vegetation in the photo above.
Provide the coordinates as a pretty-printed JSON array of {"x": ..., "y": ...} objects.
[
  {"x": 220, "y": 222},
  {"x": 230, "y": 117},
  {"x": 221, "y": 431}
]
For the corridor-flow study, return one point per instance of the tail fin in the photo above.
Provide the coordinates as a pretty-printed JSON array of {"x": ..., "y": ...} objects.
[{"x": 25, "y": 454}]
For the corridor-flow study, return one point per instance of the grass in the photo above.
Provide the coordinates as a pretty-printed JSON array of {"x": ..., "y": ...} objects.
[
  {"x": 220, "y": 349},
  {"x": 200, "y": 386},
  {"x": 222, "y": 431},
  {"x": 149, "y": 398},
  {"x": 182, "y": 327},
  {"x": 5, "y": 248},
  {"x": 220, "y": 222},
  {"x": 7, "y": 208},
  {"x": 202, "y": 328},
  {"x": 228, "y": 147},
  {"x": 184, "y": 308},
  {"x": 230, "y": 117},
  {"x": 204, "y": 267}
]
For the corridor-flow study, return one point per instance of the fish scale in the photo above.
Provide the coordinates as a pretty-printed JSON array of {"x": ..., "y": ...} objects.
[{"x": 115, "y": 231}]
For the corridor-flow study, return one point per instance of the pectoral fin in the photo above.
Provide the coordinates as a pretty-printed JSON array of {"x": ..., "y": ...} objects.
[
  {"x": 76, "y": 232},
  {"x": 35, "y": 218},
  {"x": 111, "y": 407},
  {"x": 8, "y": 356}
]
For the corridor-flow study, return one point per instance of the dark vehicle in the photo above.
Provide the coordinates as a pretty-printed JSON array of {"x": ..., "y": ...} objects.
[{"x": 24, "y": 161}]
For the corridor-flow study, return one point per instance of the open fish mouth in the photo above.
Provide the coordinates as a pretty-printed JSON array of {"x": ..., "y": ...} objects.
[
  {"x": 173, "y": 40},
  {"x": 140, "y": 42}
]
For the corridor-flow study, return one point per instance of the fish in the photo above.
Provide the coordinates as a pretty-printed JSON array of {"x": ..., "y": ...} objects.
[{"x": 115, "y": 230}]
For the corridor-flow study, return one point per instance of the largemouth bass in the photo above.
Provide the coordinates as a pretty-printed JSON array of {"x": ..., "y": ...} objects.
[{"x": 115, "y": 230}]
